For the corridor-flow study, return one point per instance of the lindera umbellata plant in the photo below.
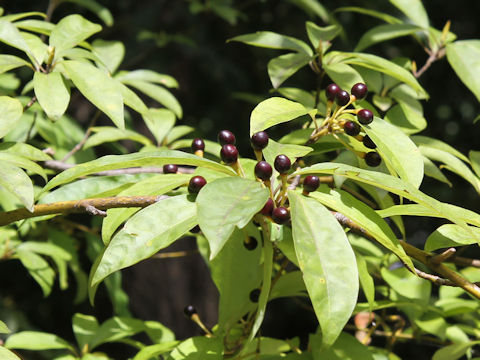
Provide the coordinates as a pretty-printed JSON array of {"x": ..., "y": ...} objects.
[{"x": 306, "y": 218}]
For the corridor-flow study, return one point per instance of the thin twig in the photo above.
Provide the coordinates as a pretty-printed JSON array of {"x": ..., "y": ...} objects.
[
  {"x": 463, "y": 261},
  {"x": 444, "y": 256},
  {"x": 434, "y": 56},
  {"x": 32, "y": 101},
  {"x": 175, "y": 254},
  {"x": 93, "y": 206},
  {"x": 85, "y": 137},
  {"x": 59, "y": 165}
]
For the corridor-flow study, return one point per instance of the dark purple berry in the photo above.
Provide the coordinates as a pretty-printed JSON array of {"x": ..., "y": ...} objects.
[
  {"x": 195, "y": 184},
  {"x": 311, "y": 183},
  {"x": 342, "y": 98},
  {"x": 259, "y": 140},
  {"x": 170, "y": 169},
  {"x": 229, "y": 154},
  {"x": 367, "y": 142},
  {"x": 365, "y": 116},
  {"x": 254, "y": 295},
  {"x": 331, "y": 91},
  {"x": 282, "y": 164},
  {"x": 280, "y": 215},
  {"x": 226, "y": 137},
  {"x": 189, "y": 311},
  {"x": 267, "y": 208},
  {"x": 359, "y": 90},
  {"x": 351, "y": 128},
  {"x": 250, "y": 243},
  {"x": 263, "y": 170},
  {"x": 198, "y": 144},
  {"x": 373, "y": 159}
]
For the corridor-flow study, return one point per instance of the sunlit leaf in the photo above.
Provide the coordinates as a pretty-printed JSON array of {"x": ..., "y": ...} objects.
[
  {"x": 284, "y": 66},
  {"x": 449, "y": 235},
  {"x": 385, "y": 32},
  {"x": 71, "y": 31},
  {"x": 35, "y": 340},
  {"x": 10, "y": 112},
  {"x": 52, "y": 93},
  {"x": 273, "y": 40}
]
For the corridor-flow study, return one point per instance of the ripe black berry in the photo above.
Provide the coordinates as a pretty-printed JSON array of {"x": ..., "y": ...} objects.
[
  {"x": 311, "y": 183},
  {"x": 259, "y": 140},
  {"x": 195, "y": 184},
  {"x": 226, "y": 137},
  {"x": 351, "y": 128},
  {"x": 170, "y": 169},
  {"x": 189, "y": 311},
  {"x": 263, "y": 170},
  {"x": 282, "y": 164},
  {"x": 250, "y": 243},
  {"x": 359, "y": 90},
  {"x": 365, "y": 116},
  {"x": 280, "y": 215},
  {"x": 267, "y": 208},
  {"x": 373, "y": 159},
  {"x": 331, "y": 91},
  {"x": 198, "y": 144},
  {"x": 229, "y": 154},
  {"x": 369, "y": 142},
  {"x": 254, "y": 295},
  {"x": 342, "y": 98}
]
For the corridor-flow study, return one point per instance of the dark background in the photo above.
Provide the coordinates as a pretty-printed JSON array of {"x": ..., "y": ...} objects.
[{"x": 165, "y": 36}]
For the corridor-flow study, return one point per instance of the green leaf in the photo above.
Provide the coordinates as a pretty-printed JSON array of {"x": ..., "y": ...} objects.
[
  {"x": 284, "y": 66},
  {"x": 414, "y": 10},
  {"x": 10, "y": 35},
  {"x": 158, "y": 93},
  {"x": 364, "y": 216},
  {"x": 14, "y": 180},
  {"x": 449, "y": 235},
  {"x": 317, "y": 34},
  {"x": 226, "y": 203},
  {"x": 101, "y": 11},
  {"x": 10, "y": 112},
  {"x": 71, "y": 31},
  {"x": 6, "y": 354},
  {"x": 273, "y": 111},
  {"x": 265, "y": 290},
  {"x": 84, "y": 328},
  {"x": 392, "y": 184},
  {"x": 475, "y": 160},
  {"x": 159, "y": 122},
  {"x": 407, "y": 118},
  {"x": 145, "y": 233},
  {"x": 463, "y": 57},
  {"x": 178, "y": 132},
  {"x": 366, "y": 280},
  {"x": 385, "y": 32},
  {"x": 23, "y": 162},
  {"x": 313, "y": 7},
  {"x": 343, "y": 75},
  {"x": 52, "y": 93},
  {"x": 437, "y": 144},
  {"x": 10, "y": 62},
  {"x": 148, "y": 76},
  {"x": 115, "y": 329},
  {"x": 94, "y": 187},
  {"x": 397, "y": 150},
  {"x": 327, "y": 262},
  {"x": 38, "y": 269},
  {"x": 154, "y": 350},
  {"x": 37, "y": 26},
  {"x": 35, "y": 340},
  {"x": 131, "y": 99},
  {"x": 289, "y": 285},
  {"x": 303, "y": 97},
  {"x": 452, "y": 163},
  {"x": 346, "y": 347},
  {"x": 198, "y": 348},
  {"x": 268, "y": 39},
  {"x": 38, "y": 49},
  {"x": 407, "y": 284},
  {"x": 110, "y": 52},
  {"x": 4, "y": 328},
  {"x": 236, "y": 271},
  {"x": 379, "y": 64},
  {"x": 156, "y": 185},
  {"x": 454, "y": 351},
  {"x": 433, "y": 171},
  {"x": 155, "y": 158},
  {"x": 377, "y": 14},
  {"x": 103, "y": 134},
  {"x": 97, "y": 87}
]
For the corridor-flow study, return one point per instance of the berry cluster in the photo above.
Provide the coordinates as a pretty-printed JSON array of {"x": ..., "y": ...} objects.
[{"x": 335, "y": 123}]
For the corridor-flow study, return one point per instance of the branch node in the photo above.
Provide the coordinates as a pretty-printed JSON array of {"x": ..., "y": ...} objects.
[{"x": 442, "y": 257}]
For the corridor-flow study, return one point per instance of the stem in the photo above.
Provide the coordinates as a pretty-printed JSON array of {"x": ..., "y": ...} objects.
[{"x": 85, "y": 138}]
